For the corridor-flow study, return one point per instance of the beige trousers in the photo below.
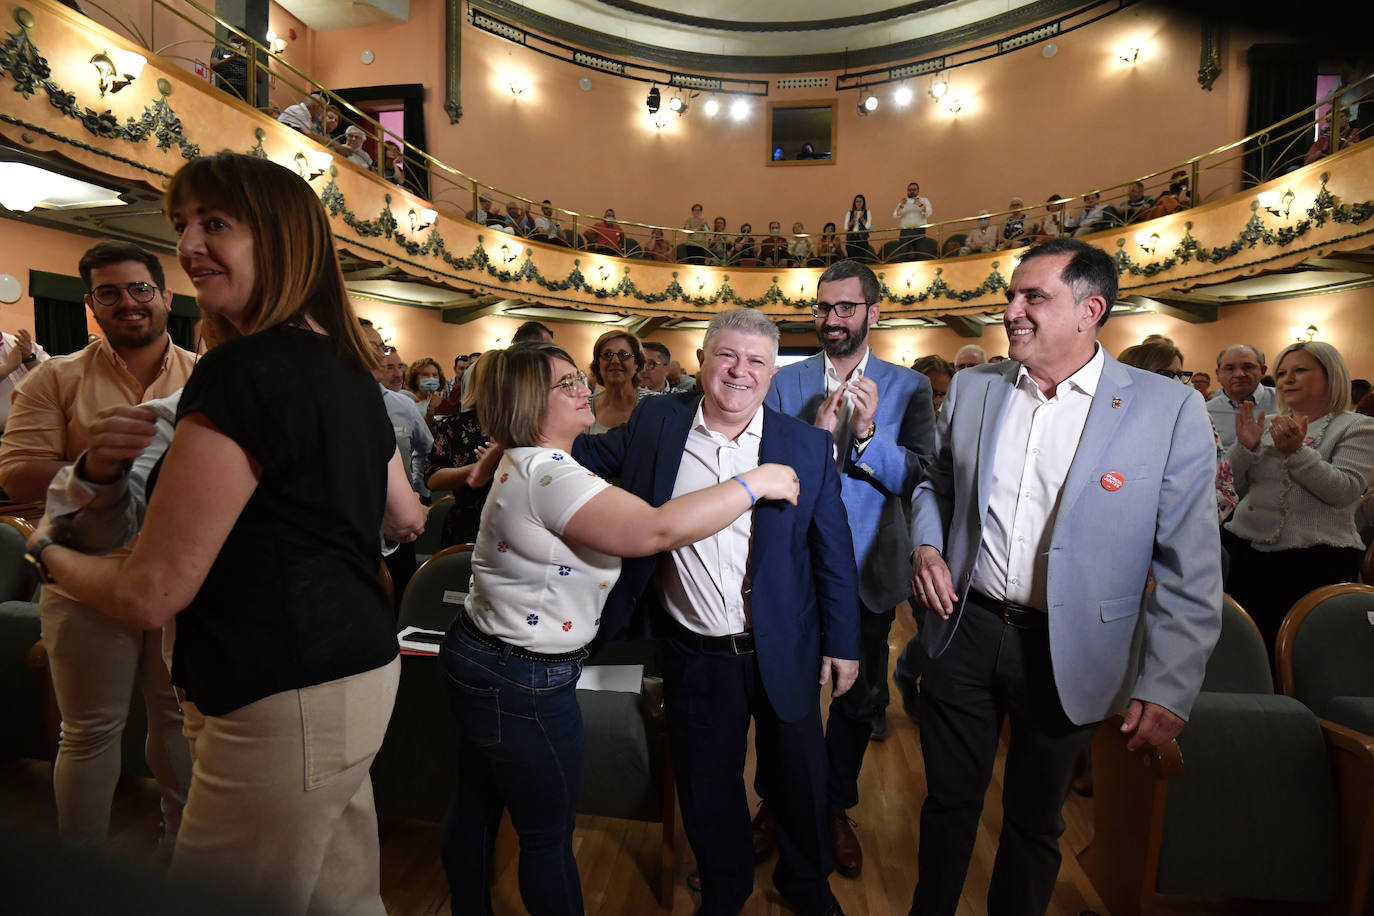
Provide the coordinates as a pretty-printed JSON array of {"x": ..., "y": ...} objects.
[
  {"x": 281, "y": 802},
  {"x": 94, "y": 661}
]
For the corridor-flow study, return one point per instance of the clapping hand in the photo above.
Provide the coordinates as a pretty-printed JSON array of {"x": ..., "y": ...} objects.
[
  {"x": 1249, "y": 427},
  {"x": 828, "y": 415},
  {"x": 1287, "y": 432}
]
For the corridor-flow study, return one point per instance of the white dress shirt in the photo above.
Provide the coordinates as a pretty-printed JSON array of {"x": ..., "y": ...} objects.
[
  {"x": 1035, "y": 448},
  {"x": 844, "y": 436},
  {"x": 913, "y": 212},
  {"x": 1223, "y": 411},
  {"x": 704, "y": 588},
  {"x": 7, "y": 384}
]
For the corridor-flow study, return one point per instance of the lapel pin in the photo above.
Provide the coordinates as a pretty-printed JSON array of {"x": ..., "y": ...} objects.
[
  {"x": 1116, "y": 402},
  {"x": 1113, "y": 481}
]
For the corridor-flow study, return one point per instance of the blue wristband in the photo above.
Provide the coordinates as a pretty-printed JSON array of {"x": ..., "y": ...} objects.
[{"x": 752, "y": 498}]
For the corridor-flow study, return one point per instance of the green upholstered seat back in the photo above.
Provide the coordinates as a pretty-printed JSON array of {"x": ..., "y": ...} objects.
[
  {"x": 1239, "y": 663},
  {"x": 1333, "y": 651}
]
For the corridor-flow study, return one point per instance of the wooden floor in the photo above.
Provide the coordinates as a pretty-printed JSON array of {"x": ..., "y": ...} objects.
[{"x": 618, "y": 859}]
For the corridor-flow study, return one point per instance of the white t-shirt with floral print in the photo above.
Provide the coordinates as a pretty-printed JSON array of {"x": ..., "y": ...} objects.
[{"x": 530, "y": 587}]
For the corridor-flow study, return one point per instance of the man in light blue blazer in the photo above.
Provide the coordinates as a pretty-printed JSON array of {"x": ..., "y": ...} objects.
[
  {"x": 1068, "y": 555},
  {"x": 881, "y": 418}
]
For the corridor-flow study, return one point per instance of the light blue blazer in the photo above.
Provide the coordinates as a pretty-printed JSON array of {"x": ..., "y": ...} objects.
[
  {"x": 876, "y": 485},
  {"x": 1112, "y": 638}
]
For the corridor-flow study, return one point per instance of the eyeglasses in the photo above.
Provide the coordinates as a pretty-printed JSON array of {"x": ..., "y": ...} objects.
[
  {"x": 1184, "y": 377},
  {"x": 571, "y": 382},
  {"x": 109, "y": 294},
  {"x": 843, "y": 309},
  {"x": 652, "y": 364},
  {"x": 623, "y": 356}
]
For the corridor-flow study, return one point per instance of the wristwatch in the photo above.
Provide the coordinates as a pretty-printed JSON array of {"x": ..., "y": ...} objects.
[
  {"x": 30, "y": 357},
  {"x": 35, "y": 556},
  {"x": 868, "y": 433}
]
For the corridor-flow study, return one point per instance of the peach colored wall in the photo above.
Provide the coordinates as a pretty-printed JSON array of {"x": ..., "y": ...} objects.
[{"x": 1022, "y": 131}]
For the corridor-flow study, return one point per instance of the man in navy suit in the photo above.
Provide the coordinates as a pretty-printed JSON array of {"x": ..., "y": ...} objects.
[
  {"x": 757, "y": 618},
  {"x": 883, "y": 424},
  {"x": 1069, "y": 558}
]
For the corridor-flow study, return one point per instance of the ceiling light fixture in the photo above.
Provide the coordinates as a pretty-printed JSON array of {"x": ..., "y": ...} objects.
[
  {"x": 653, "y": 101},
  {"x": 117, "y": 69}
]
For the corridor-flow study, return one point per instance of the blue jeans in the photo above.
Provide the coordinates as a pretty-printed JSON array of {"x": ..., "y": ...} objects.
[{"x": 520, "y": 746}]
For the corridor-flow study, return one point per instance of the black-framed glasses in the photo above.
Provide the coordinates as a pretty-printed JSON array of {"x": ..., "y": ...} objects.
[
  {"x": 623, "y": 356},
  {"x": 571, "y": 382},
  {"x": 1184, "y": 377},
  {"x": 109, "y": 294},
  {"x": 843, "y": 309},
  {"x": 653, "y": 364}
]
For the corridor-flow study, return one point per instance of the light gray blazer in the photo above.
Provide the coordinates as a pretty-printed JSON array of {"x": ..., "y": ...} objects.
[{"x": 1111, "y": 638}]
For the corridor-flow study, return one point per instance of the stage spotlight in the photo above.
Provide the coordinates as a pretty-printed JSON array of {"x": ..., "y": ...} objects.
[
  {"x": 902, "y": 96},
  {"x": 871, "y": 103},
  {"x": 712, "y": 108},
  {"x": 652, "y": 102},
  {"x": 938, "y": 89},
  {"x": 739, "y": 109},
  {"x": 677, "y": 104}
]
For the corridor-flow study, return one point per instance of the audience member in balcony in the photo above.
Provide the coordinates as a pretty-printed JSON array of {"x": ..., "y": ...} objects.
[
  {"x": 459, "y": 444},
  {"x": 230, "y": 66},
  {"x": 305, "y": 116},
  {"x": 263, "y": 524},
  {"x": 799, "y": 247},
  {"x": 939, "y": 372},
  {"x": 1346, "y": 136},
  {"x": 659, "y": 249},
  {"x": 18, "y": 354},
  {"x": 984, "y": 237},
  {"x": 1015, "y": 232},
  {"x": 912, "y": 213},
  {"x": 1136, "y": 202},
  {"x": 1203, "y": 383},
  {"x": 742, "y": 246},
  {"x": 719, "y": 240},
  {"x": 829, "y": 246},
  {"x": 858, "y": 222},
  {"x": 1168, "y": 202},
  {"x": 606, "y": 236},
  {"x": 518, "y": 219},
  {"x": 392, "y": 162},
  {"x": 617, "y": 358},
  {"x": 969, "y": 355},
  {"x": 1240, "y": 371},
  {"x": 520, "y": 748},
  {"x": 425, "y": 383},
  {"x": 1051, "y": 225},
  {"x": 1300, "y": 474},
  {"x": 485, "y": 212},
  {"x": 773, "y": 246},
  {"x": 1185, "y": 192},
  {"x": 354, "y": 137},
  {"x": 1092, "y": 217},
  {"x": 695, "y": 223},
  {"x": 653, "y": 377},
  {"x": 329, "y": 125},
  {"x": 546, "y": 224}
]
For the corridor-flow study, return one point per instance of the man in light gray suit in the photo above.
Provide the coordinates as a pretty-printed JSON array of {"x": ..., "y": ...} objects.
[{"x": 1063, "y": 483}]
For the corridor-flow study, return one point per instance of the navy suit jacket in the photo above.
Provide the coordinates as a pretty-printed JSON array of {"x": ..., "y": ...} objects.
[
  {"x": 804, "y": 598},
  {"x": 877, "y": 484}
]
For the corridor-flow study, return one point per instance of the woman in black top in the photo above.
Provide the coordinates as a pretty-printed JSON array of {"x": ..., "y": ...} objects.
[{"x": 262, "y": 539}]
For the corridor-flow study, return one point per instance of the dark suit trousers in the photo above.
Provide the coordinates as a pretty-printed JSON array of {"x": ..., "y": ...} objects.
[
  {"x": 710, "y": 698},
  {"x": 850, "y": 724},
  {"x": 992, "y": 670}
]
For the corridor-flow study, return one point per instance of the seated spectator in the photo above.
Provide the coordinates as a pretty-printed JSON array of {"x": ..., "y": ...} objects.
[
  {"x": 695, "y": 223},
  {"x": 230, "y": 66},
  {"x": 719, "y": 240},
  {"x": 606, "y": 236},
  {"x": 1051, "y": 225},
  {"x": 1091, "y": 218},
  {"x": 940, "y": 374},
  {"x": 305, "y": 116},
  {"x": 353, "y": 143},
  {"x": 546, "y": 225},
  {"x": 773, "y": 247},
  {"x": 654, "y": 376},
  {"x": 1202, "y": 381},
  {"x": 659, "y": 249},
  {"x": 517, "y": 219},
  {"x": 984, "y": 237},
  {"x": 1136, "y": 202},
  {"x": 799, "y": 247},
  {"x": 829, "y": 247},
  {"x": 968, "y": 356},
  {"x": 1166, "y": 203},
  {"x": 1346, "y": 136},
  {"x": 743, "y": 245},
  {"x": 1015, "y": 232}
]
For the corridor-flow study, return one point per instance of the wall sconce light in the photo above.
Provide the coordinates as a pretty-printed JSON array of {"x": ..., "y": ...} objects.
[
  {"x": 701, "y": 284},
  {"x": 509, "y": 254},
  {"x": 954, "y": 105},
  {"x": 1148, "y": 241},
  {"x": 517, "y": 86},
  {"x": 275, "y": 44},
  {"x": 117, "y": 69},
  {"x": 659, "y": 120},
  {"x": 1279, "y": 205},
  {"x": 314, "y": 166},
  {"x": 939, "y": 88},
  {"x": 1303, "y": 334},
  {"x": 1128, "y": 54},
  {"x": 422, "y": 219}
]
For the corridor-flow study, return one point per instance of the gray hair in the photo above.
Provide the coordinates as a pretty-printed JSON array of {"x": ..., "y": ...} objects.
[
  {"x": 747, "y": 321},
  {"x": 1259, "y": 354}
]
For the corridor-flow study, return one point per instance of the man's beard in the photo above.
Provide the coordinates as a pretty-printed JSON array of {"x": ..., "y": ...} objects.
[{"x": 848, "y": 345}]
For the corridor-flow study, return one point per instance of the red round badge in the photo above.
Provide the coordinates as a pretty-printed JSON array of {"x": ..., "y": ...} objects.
[{"x": 1113, "y": 481}]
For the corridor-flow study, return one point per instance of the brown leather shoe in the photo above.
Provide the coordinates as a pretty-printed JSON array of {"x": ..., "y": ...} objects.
[
  {"x": 762, "y": 829},
  {"x": 849, "y": 858}
]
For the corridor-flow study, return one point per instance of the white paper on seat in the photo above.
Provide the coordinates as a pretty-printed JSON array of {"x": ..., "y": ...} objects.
[
  {"x": 416, "y": 639},
  {"x": 619, "y": 678}
]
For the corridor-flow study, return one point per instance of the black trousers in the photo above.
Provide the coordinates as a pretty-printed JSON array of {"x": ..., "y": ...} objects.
[
  {"x": 993, "y": 670},
  {"x": 710, "y": 698},
  {"x": 850, "y": 724}
]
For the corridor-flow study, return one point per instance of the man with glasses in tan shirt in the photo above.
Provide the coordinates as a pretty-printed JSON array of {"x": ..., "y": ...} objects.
[{"x": 58, "y": 411}]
